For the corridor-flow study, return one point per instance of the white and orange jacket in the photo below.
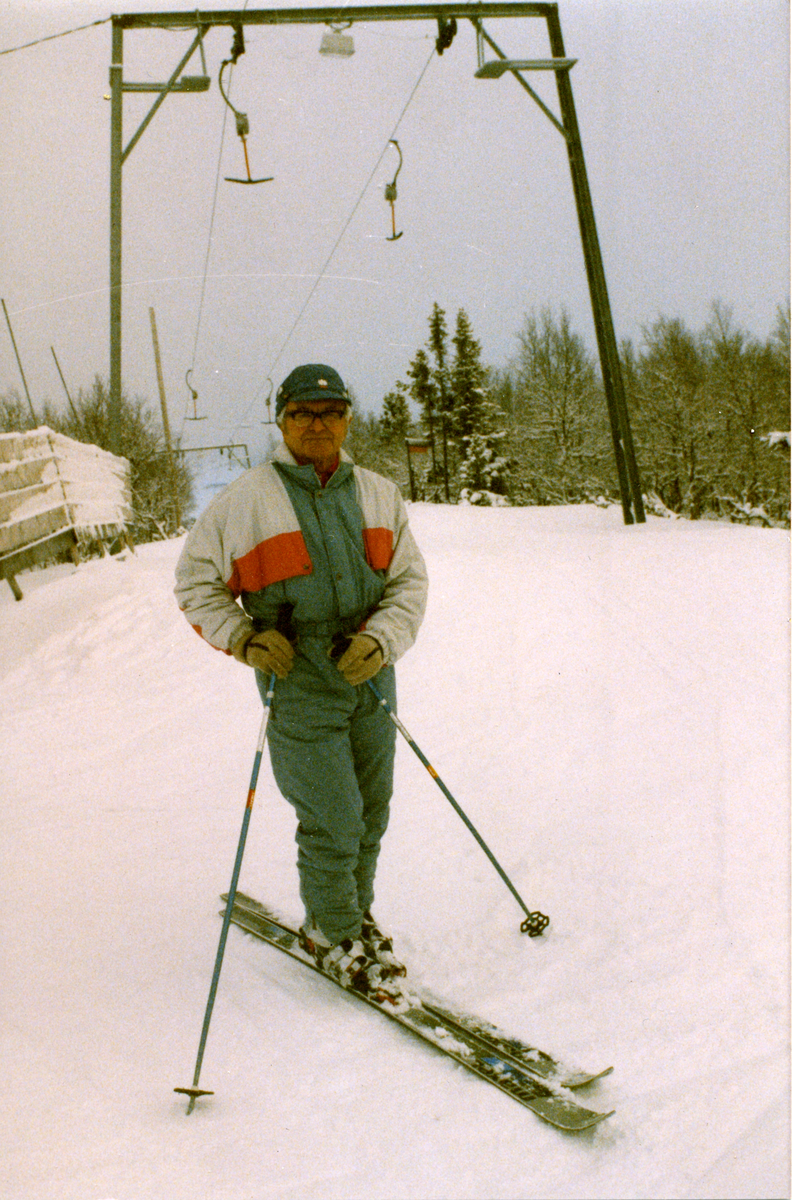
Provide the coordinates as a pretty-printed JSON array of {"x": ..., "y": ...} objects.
[{"x": 249, "y": 538}]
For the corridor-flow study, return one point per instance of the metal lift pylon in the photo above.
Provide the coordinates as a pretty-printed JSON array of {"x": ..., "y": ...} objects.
[{"x": 445, "y": 15}]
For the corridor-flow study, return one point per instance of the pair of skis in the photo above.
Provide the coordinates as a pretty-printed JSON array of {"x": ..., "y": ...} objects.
[{"x": 533, "y": 1078}]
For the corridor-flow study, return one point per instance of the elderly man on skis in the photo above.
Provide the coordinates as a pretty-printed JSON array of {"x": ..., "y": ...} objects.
[{"x": 330, "y": 540}]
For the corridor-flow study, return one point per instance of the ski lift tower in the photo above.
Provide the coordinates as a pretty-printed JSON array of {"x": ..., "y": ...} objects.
[{"x": 337, "y": 18}]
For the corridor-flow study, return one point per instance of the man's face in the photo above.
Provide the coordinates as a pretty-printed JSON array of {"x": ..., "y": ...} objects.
[{"x": 316, "y": 441}]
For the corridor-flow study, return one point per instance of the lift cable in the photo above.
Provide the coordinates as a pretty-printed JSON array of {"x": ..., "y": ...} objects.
[
  {"x": 193, "y": 393},
  {"x": 52, "y": 36},
  {"x": 206, "y": 259},
  {"x": 336, "y": 244}
]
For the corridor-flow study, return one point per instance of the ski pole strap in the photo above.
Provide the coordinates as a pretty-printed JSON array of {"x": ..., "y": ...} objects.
[{"x": 535, "y": 923}]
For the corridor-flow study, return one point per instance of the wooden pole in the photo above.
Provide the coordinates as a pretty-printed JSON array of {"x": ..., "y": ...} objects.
[
  {"x": 410, "y": 469},
  {"x": 165, "y": 421},
  {"x": 19, "y": 362},
  {"x": 63, "y": 381}
]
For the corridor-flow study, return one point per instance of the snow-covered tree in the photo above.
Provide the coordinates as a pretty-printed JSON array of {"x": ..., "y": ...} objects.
[
  {"x": 471, "y": 412},
  {"x": 483, "y": 472},
  {"x": 396, "y": 419},
  {"x": 438, "y": 348},
  {"x": 450, "y": 391},
  {"x": 558, "y": 417},
  {"x": 703, "y": 405},
  {"x": 424, "y": 393}
]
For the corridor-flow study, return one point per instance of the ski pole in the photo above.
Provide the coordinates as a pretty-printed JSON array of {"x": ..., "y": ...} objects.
[
  {"x": 535, "y": 923},
  {"x": 195, "y": 1091}
]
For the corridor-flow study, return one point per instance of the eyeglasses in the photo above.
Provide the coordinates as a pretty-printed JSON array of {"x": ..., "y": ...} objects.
[{"x": 331, "y": 418}]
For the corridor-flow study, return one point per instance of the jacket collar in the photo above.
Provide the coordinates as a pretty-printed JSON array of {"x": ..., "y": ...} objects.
[
  {"x": 305, "y": 473},
  {"x": 283, "y": 454}
]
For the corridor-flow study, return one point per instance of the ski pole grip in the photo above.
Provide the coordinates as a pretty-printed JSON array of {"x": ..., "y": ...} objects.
[
  {"x": 339, "y": 645},
  {"x": 284, "y": 623}
]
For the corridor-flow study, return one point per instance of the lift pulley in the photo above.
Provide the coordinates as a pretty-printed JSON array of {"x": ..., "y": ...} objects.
[
  {"x": 242, "y": 123},
  {"x": 390, "y": 194}
]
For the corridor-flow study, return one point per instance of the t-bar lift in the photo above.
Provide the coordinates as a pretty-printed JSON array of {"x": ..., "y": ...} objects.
[{"x": 446, "y": 15}]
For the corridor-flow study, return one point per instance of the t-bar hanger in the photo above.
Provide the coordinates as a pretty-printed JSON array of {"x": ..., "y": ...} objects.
[
  {"x": 242, "y": 123},
  {"x": 390, "y": 194},
  {"x": 194, "y": 395}
]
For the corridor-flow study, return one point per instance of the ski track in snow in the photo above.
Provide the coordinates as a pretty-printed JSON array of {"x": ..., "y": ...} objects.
[{"x": 610, "y": 707}]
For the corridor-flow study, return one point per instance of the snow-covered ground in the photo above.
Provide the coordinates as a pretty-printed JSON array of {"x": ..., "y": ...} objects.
[{"x": 609, "y": 705}]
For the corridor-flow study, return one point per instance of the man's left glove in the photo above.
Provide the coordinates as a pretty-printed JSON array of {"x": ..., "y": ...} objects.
[{"x": 361, "y": 660}]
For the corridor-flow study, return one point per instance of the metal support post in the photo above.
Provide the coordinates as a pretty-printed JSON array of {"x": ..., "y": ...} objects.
[
  {"x": 116, "y": 162},
  {"x": 629, "y": 482},
  {"x": 118, "y": 155}
]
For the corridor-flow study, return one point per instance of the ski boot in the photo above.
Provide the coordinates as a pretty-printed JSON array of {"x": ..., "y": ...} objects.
[
  {"x": 380, "y": 947},
  {"x": 351, "y": 964}
]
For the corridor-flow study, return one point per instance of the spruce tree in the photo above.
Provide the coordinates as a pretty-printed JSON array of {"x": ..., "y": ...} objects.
[
  {"x": 471, "y": 412},
  {"x": 424, "y": 393},
  {"x": 395, "y": 420},
  {"x": 483, "y": 471},
  {"x": 438, "y": 339}
]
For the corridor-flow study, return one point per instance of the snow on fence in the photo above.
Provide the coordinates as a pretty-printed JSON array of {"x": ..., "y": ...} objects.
[{"x": 55, "y": 494}]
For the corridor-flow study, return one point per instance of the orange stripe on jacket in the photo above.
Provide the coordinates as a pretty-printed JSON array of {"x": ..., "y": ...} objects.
[
  {"x": 280, "y": 557},
  {"x": 199, "y": 631},
  {"x": 378, "y": 544}
]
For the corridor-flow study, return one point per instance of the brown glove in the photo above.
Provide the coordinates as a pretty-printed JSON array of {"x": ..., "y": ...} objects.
[
  {"x": 269, "y": 651},
  {"x": 361, "y": 660}
]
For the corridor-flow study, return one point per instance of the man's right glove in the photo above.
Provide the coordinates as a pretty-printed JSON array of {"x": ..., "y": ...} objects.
[
  {"x": 361, "y": 659},
  {"x": 269, "y": 651}
]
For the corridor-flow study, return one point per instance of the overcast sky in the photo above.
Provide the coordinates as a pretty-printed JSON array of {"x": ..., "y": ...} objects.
[{"x": 684, "y": 114}]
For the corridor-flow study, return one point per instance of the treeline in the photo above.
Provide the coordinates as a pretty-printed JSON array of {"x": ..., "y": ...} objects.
[
  {"x": 710, "y": 416},
  {"x": 708, "y": 412},
  {"x": 156, "y": 494}
]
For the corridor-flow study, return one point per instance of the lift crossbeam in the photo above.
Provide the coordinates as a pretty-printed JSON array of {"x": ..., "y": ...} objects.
[{"x": 337, "y": 14}]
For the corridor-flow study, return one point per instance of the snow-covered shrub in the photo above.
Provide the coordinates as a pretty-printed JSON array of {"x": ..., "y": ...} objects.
[{"x": 483, "y": 471}]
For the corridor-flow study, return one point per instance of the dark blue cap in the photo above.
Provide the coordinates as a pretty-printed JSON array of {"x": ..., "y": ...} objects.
[{"x": 314, "y": 381}]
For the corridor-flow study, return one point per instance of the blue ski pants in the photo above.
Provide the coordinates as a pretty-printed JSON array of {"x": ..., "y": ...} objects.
[{"x": 332, "y": 749}]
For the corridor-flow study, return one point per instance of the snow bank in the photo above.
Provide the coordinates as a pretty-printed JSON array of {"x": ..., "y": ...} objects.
[{"x": 50, "y": 483}]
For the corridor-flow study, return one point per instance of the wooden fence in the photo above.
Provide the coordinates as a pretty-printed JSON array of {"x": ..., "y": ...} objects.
[{"x": 57, "y": 494}]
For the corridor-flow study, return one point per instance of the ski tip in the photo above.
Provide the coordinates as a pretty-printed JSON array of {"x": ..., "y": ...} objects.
[
  {"x": 589, "y": 1123},
  {"x": 568, "y": 1118},
  {"x": 193, "y": 1092},
  {"x": 581, "y": 1079}
]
